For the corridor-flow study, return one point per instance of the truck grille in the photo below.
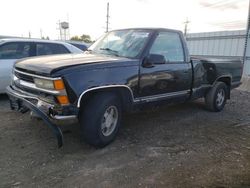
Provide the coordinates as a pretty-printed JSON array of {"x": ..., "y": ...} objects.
[
  {"x": 24, "y": 77},
  {"x": 30, "y": 89}
]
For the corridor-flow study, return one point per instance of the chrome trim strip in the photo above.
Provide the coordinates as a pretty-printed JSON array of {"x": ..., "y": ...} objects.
[
  {"x": 57, "y": 117},
  {"x": 103, "y": 87},
  {"x": 139, "y": 99},
  {"x": 37, "y": 76},
  {"x": 25, "y": 83},
  {"x": 160, "y": 96},
  {"x": 205, "y": 86}
]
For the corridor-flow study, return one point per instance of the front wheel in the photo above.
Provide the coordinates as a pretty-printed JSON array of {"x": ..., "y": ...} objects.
[
  {"x": 100, "y": 119},
  {"x": 217, "y": 96}
]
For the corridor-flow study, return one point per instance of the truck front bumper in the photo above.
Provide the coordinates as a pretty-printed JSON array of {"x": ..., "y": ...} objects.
[{"x": 24, "y": 102}]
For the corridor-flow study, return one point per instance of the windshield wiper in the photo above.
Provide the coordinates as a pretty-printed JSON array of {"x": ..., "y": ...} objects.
[
  {"x": 88, "y": 51},
  {"x": 114, "y": 52}
]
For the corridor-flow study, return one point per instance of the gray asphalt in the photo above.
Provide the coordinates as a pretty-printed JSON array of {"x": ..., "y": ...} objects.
[{"x": 171, "y": 146}]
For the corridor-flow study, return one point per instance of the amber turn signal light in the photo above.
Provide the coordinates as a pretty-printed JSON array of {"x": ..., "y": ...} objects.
[
  {"x": 58, "y": 84},
  {"x": 63, "y": 99}
]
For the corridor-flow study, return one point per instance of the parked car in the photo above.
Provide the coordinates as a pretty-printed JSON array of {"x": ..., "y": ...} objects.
[
  {"x": 81, "y": 45},
  {"x": 124, "y": 70},
  {"x": 13, "y": 49}
]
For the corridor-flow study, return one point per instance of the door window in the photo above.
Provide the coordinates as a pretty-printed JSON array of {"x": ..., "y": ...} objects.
[
  {"x": 48, "y": 49},
  {"x": 15, "y": 50},
  {"x": 169, "y": 45}
]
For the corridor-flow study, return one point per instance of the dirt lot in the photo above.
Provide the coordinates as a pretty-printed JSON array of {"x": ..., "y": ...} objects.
[{"x": 177, "y": 146}]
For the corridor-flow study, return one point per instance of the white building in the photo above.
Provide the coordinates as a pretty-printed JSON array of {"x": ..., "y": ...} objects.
[{"x": 222, "y": 44}]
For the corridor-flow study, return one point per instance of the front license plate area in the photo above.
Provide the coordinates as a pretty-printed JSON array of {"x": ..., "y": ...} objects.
[{"x": 17, "y": 104}]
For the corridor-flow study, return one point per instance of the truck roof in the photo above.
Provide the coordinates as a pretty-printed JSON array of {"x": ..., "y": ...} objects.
[{"x": 150, "y": 28}]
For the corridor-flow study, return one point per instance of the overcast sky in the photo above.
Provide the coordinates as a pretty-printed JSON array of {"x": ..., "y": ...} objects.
[{"x": 19, "y": 17}]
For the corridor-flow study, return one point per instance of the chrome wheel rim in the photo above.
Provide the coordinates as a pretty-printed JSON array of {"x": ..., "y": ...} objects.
[
  {"x": 220, "y": 97},
  {"x": 109, "y": 120}
]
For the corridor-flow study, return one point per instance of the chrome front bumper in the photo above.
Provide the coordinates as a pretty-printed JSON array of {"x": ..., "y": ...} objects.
[{"x": 24, "y": 102}]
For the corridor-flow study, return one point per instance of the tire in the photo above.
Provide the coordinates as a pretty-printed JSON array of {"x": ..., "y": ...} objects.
[
  {"x": 100, "y": 119},
  {"x": 216, "y": 97}
]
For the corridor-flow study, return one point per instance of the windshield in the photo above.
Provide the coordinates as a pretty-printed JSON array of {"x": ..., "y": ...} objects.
[{"x": 124, "y": 43}]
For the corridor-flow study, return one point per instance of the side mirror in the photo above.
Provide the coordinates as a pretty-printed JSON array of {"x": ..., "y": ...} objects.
[{"x": 153, "y": 59}]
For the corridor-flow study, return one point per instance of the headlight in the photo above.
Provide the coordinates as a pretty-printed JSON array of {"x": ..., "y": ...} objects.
[
  {"x": 44, "y": 84},
  {"x": 49, "y": 84},
  {"x": 53, "y": 85}
]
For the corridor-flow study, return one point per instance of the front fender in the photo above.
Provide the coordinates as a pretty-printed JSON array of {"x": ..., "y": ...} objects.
[{"x": 82, "y": 82}]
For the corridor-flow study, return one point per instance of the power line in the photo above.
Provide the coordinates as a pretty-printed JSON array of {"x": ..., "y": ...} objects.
[
  {"x": 222, "y": 4},
  {"x": 210, "y": 5}
]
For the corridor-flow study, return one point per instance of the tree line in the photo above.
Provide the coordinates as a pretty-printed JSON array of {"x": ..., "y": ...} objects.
[{"x": 83, "y": 38}]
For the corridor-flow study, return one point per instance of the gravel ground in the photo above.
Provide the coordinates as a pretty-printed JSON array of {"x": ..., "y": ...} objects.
[{"x": 174, "y": 146}]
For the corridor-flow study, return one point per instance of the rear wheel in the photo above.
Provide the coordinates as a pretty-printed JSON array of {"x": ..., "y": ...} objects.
[
  {"x": 217, "y": 96},
  {"x": 100, "y": 119}
]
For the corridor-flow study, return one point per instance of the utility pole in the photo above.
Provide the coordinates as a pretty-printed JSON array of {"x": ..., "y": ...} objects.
[
  {"x": 186, "y": 27},
  {"x": 68, "y": 28},
  {"x": 60, "y": 29},
  {"x": 247, "y": 43},
  {"x": 107, "y": 21},
  {"x": 41, "y": 33}
]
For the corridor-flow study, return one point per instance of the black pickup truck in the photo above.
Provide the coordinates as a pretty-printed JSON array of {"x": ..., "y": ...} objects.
[{"x": 123, "y": 70}]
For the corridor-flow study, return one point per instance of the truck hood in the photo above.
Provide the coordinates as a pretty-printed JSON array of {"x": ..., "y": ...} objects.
[{"x": 46, "y": 65}]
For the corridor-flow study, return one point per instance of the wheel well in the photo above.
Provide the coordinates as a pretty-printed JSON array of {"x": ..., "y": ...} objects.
[
  {"x": 227, "y": 81},
  {"x": 123, "y": 94}
]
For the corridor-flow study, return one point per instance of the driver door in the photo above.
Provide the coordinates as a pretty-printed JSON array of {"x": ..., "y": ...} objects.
[{"x": 172, "y": 78}]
